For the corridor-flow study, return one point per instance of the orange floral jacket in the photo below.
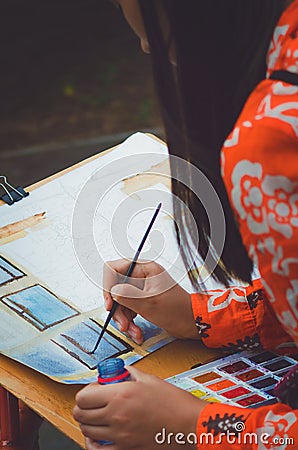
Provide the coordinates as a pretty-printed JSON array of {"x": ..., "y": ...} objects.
[{"x": 260, "y": 171}]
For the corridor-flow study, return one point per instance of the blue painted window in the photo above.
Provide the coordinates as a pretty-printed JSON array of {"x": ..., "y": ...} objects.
[
  {"x": 8, "y": 272},
  {"x": 79, "y": 340},
  {"x": 39, "y": 307}
]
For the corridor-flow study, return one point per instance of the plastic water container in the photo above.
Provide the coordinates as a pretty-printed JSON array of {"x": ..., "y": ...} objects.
[{"x": 112, "y": 371}]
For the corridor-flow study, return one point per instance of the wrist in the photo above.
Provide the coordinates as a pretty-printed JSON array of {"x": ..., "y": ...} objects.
[{"x": 186, "y": 328}]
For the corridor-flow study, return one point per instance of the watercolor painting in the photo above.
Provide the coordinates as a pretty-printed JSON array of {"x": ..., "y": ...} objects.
[
  {"x": 50, "y": 359},
  {"x": 65, "y": 356},
  {"x": 21, "y": 228},
  {"x": 79, "y": 340},
  {"x": 149, "y": 330},
  {"x": 8, "y": 272},
  {"x": 46, "y": 293},
  {"x": 39, "y": 306}
]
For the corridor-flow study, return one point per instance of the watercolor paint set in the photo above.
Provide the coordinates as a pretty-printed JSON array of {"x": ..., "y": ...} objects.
[{"x": 245, "y": 379}]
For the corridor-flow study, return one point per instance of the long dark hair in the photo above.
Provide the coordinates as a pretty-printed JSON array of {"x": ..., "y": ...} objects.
[{"x": 220, "y": 50}]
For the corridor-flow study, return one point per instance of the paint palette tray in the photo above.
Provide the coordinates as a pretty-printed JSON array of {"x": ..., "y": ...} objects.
[{"x": 246, "y": 379}]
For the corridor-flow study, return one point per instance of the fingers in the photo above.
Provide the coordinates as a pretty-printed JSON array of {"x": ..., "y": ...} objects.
[
  {"x": 128, "y": 295},
  {"x": 96, "y": 432},
  {"x": 136, "y": 374},
  {"x": 123, "y": 317},
  {"x": 93, "y": 417},
  {"x": 135, "y": 333},
  {"x": 124, "y": 320},
  {"x": 131, "y": 297},
  {"x": 114, "y": 272},
  {"x": 91, "y": 414},
  {"x": 93, "y": 396},
  {"x": 110, "y": 278}
]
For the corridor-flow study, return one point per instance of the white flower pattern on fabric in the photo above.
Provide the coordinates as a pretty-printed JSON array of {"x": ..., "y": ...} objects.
[
  {"x": 281, "y": 206},
  {"x": 222, "y": 299},
  {"x": 269, "y": 204},
  {"x": 279, "y": 112},
  {"x": 265, "y": 110},
  {"x": 277, "y": 427},
  {"x": 264, "y": 202},
  {"x": 281, "y": 88},
  {"x": 280, "y": 264},
  {"x": 275, "y": 46}
]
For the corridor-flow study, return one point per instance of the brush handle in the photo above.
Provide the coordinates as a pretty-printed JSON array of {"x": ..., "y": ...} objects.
[{"x": 127, "y": 275}]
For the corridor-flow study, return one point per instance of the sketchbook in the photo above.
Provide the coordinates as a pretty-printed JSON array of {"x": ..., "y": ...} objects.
[{"x": 53, "y": 244}]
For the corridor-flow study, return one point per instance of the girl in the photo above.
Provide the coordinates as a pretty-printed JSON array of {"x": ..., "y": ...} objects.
[{"x": 237, "y": 121}]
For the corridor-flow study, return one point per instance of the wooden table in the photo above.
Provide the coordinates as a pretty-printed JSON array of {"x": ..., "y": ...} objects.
[{"x": 54, "y": 401}]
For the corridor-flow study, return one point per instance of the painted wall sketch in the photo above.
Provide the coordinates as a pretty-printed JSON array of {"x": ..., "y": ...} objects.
[
  {"x": 39, "y": 306},
  {"x": 51, "y": 312},
  {"x": 79, "y": 341},
  {"x": 8, "y": 272}
]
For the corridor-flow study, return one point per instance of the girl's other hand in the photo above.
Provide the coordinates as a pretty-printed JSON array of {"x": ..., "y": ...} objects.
[{"x": 138, "y": 414}]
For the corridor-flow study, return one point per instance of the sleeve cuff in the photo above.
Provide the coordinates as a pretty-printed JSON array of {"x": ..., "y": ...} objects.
[
  {"x": 224, "y": 320},
  {"x": 236, "y": 428}
]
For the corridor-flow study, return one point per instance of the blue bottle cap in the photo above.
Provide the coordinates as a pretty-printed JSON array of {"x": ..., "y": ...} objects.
[{"x": 110, "y": 368}]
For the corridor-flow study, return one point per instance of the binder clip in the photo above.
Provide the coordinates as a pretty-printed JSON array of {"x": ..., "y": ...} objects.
[{"x": 12, "y": 194}]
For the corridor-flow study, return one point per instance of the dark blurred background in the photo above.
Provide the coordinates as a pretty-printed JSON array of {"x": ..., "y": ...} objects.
[{"x": 73, "y": 81}]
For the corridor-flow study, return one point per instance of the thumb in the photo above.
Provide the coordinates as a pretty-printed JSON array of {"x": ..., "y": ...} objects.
[
  {"x": 130, "y": 296},
  {"x": 136, "y": 374}
]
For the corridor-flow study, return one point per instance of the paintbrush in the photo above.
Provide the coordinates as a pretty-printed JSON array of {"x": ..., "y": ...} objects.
[{"x": 127, "y": 275}]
